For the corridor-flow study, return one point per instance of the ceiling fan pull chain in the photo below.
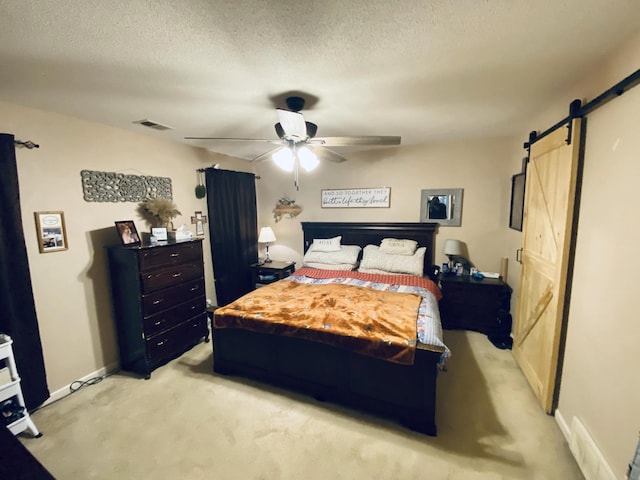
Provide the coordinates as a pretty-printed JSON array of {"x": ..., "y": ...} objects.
[{"x": 296, "y": 170}]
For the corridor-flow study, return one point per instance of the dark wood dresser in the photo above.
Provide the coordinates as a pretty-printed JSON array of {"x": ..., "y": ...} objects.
[
  {"x": 479, "y": 305},
  {"x": 159, "y": 302}
]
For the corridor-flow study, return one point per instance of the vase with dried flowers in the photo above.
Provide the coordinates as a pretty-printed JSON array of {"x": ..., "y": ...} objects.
[{"x": 159, "y": 212}]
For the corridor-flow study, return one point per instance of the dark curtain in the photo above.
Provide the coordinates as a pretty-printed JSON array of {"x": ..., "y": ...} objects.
[
  {"x": 233, "y": 230},
  {"x": 18, "y": 318}
]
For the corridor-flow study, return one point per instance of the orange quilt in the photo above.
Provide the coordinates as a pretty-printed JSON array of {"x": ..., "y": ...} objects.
[{"x": 371, "y": 322}]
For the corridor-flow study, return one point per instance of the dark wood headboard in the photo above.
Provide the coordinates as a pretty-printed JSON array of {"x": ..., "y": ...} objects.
[{"x": 364, "y": 234}]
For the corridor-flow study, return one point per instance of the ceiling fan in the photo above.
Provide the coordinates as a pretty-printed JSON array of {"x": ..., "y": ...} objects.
[{"x": 298, "y": 144}]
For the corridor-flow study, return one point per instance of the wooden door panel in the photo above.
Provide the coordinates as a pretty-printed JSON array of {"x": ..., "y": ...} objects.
[
  {"x": 539, "y": 294},
  {"x": 534, "y": 329},
  {"x": 547, "y": 223},
  {"x": 547, "y": 205}
]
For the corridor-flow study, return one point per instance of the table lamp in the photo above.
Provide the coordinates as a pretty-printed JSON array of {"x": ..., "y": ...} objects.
[
  {"x": 454, "y": 249},
  {"x": 266, "y": 236}
]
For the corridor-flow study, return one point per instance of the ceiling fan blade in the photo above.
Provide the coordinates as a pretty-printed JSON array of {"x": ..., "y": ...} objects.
[
  {"x": 265, "y": 155},
  {"x": 330, "y": 155},
  {"x": 357, "y": 140},
  {"x": 293, "y": 124},
  {"x": 262, "y": 140}
]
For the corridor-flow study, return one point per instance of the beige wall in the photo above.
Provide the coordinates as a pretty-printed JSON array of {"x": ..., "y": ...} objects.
[
  {"x": 599, "y": 372},
  {"x": 70, "y": 287},
  {"x": 598, "y": 384},
  {"x": 483, "y": 168},
  {"x": 600, "y": 380}
]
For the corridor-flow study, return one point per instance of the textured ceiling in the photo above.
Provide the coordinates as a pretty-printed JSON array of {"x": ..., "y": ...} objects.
[{"x": 423, "y": 69}]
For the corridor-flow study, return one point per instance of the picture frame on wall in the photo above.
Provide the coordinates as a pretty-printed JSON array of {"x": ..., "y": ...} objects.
[
  {"x": 516, "y": 210},
  {"x": 379, "y": 197},
  {"x": 198, "y": 220},
  {"x": 51, "y": 230},
  {"x": 127, "y": 232},
  {"x": 441, "y": 205}
]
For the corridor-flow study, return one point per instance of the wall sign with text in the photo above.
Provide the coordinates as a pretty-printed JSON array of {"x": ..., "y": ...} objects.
[{"x": 357, "y": 198}]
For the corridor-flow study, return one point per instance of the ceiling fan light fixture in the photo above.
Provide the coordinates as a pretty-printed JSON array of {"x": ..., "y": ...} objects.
[
  {"x": 308, "y": 160},
  {"x": 284, "y": 159},
  {"x": 312, "y": 128},
  {"x": 293, "y": 124}
]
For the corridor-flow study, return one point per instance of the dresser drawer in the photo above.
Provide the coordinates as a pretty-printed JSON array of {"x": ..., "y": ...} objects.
[
  {"x": 174, "y": 340},
  {"x": 152, "y": 258},
  {"x": 168, "y": 318},
  {"x": 163, "y": 299},
  {"x": 473, "y": 295},
  {"x": 478, "y": 305},
  {"x": 167, "y": 277}
]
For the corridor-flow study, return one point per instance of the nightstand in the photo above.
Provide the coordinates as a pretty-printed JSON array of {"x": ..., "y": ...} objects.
[
  {"x": 479, "y": 305},
  {"x": 265, "y": 273}
]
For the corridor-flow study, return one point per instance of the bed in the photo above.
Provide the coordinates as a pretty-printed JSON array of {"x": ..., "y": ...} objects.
[{"x": 403, "y": 388}]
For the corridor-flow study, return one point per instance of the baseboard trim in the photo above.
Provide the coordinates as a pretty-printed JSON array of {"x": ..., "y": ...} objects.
[
  {"x": 584, "y": 449},
  {"x": 563, "y": 425},
  {"x": 65, "y": 391}
]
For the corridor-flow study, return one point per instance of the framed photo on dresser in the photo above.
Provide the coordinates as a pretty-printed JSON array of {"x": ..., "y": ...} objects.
[{"x": 128, "y": 232}]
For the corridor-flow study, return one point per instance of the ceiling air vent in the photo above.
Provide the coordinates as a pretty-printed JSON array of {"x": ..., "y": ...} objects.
[{"x": 154, "y": 125}]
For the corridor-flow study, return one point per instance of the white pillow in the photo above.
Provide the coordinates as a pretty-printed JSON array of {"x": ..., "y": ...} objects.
[
  {"x": 329, "y": 266},
  {"x": 378, "y": 272},
  {"x": 345, "y": 254},
  {"x": 396, "y": 246},
  {"x": 325, "y": 244},
  {"x": 373, "y": 259}
]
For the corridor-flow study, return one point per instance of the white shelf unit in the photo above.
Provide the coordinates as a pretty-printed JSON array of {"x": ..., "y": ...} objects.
[{"x": 11, "y": 388}]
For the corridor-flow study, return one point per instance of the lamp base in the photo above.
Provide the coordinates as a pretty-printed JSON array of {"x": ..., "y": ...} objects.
[{"x": 267, "y": 260}]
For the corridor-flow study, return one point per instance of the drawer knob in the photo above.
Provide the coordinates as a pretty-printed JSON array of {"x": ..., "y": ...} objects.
[
  {"x": 157, "y": 302},
  {"x": 159, "y": 344},
  {"x": 176, "y": 275},
  {"x": 174, "y": 255}
]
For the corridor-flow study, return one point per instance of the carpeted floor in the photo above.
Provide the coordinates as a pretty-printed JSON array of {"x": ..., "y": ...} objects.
[{"x": 188, "y": 423}]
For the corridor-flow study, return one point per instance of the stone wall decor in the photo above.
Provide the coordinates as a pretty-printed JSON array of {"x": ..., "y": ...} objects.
[{"x": 118, "y": 187}]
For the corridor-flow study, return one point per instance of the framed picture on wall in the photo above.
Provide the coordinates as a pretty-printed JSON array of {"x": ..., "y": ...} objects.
[
  {"x": 442, "y": 205},
  {"x": 52, "y": 233},
  {"x": 517, "y": 201},
  {"x": 199, "y": 220}
]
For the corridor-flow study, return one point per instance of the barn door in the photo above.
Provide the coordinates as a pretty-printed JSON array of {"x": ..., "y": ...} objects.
[{"x": 546, "y": 236}]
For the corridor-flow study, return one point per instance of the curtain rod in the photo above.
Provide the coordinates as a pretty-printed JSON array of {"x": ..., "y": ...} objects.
[
  {"x": 217, "y": 166},
  {"x": 28, "y": 144},
  {"x": 576, "y": 110}
]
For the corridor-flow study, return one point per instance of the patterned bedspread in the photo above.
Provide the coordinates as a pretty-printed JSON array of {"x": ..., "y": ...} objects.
[{"x": 377, "y": 315}]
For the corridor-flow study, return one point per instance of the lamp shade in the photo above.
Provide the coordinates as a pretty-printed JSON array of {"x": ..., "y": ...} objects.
[
  {"x": 308, "y": 160},
  {"x": 452, "y": 247},
  {"x": 284, "y": 159},
  {"x": 266, "y": 235}
]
